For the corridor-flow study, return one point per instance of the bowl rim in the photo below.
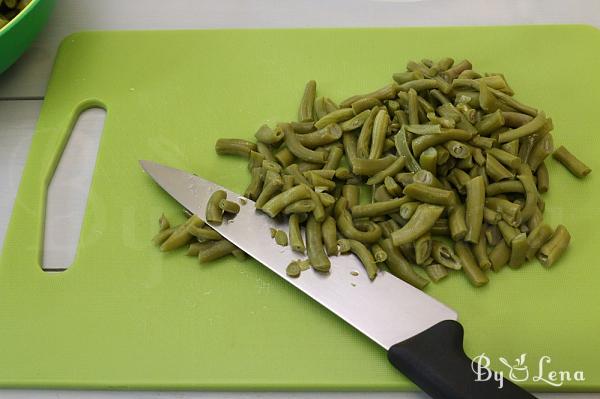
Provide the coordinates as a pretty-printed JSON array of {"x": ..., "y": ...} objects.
[{"x": 19, "y": 16}]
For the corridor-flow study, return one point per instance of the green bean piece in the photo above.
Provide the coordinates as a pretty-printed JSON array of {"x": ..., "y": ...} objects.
[
  {"x": 204, "y": 233},
  {"x": 407, "y": 209},
  {"x": 378, "y": 253},
  {"x": 212, "y": 250},
  {"x": 512, "y": 147},
  {"x": 457, "y": 222},
  {"x": 490, "y": 216},
  {"x": 348, "y": 230},
  {"x": 276, "y": 204},
  {"x": 193, "y": 249},
  {"x": 490, "y": 123},
  {"x": 508, "y": 232},
  {"x": 380, "y": 126},
  {"x": 478, "y": 156},
  {"x": 421, "y": 143},
  {"x": 351, "y": 193},
  {"x": 413, "y": 107},
  {"x": 280, "y": 237},
  {"x": 574, "y": 165},
  {"x": 428, "y": 160},
  {"x": 305, "y": 113},
  {"x": 554, "y": 247},
  {"x": 516, "y": 119},
  {"x": 265, "y": 151},
  {"x": 473, "y": 272},
  {"x": 465, "y": 163},
  {"x": 303, "y": 127},
  {"x": 400, "y": 267},
  {"x": 505, "y": 158},
  {"x": 272, "y": 166},
  {"x": 457, "y": 149},
  {"x": 234, "y": 147},
  {"x": 422, "y": 248},
  {"x": 507, "y": 186},
  {"x": 392, "y": 187},
  {"x": 256, "y": 182},
  {"x": 314, "y": 245},
  {"x": 480, "y": 252},
  {"x": 420, "y": 85},
  {"x": 471, "y": 114},
  {"x": 318, "y": 181},
  {"x": 474, "y": 208},
  {"x": 459, "y": 178},
  {"x": 519, "y": 248},
  {"x": 295, "y": 235},
  {"x": 403, "y": 77},
  {"x": 364, "y": 254},
  {"x": 487, "y": 100},
  {"x": 342, "y": 173},
  {"x": 329, "y": 232},
  {"x": 338, "y": 116},
  {"x": 537, "y": 238},
  {"x": 512, "y": 103},
  {"x": 356, "y": 121},
  {"x": 436, "y": 272},
  {"x": 524, "y": 130},
  {"x": 540, "y": 151},
  {"x": 468, "y": 97},
  {"x": 499, "y": 255},
  {"x": 402, "y": 148},
  {"x": 293, "y": 269},
  {"x": 531, "y": 193},
  {"x": 229, "y": 206},
  {"x": 482, "y": 142},
  {"x": 424, "y": 129},
  {"x": 387, "y": 92},
  {"x": 298, "y": 207},
  {"x": 444, "y": 255},
  {"x": 543, "y": 178},
  {"x": 214, "y": 214},
  {"x": 293, "y": 170},
  {"x": 162, "y": 236},
  {"x": 369, "y": 167},
  {"x": 391, "y": 170},
  {"x": 326, "y": 199},
  {"x": 285, "y": 157},
  {"x": 457, "y": 69},
  {"x": 439, "y": 96},
  {"x": 495, "y": 170},
  {"x": 319, "y": 211},
  {"x": 420, "y": 223},
  {"x": 429, "y": 194},
  {"x": 267, "y": 135},
  {"x": 319, "y": 108},
  {"x": 378, "y": 208},
  {"x": 364, "y": 138},
  {"x": 295, "y": 147},
  {"x": 364, "y": 104},
  {"x": 334, "y": 158},
  {"x": 163, "y": 223},
  {"x": 288, "y": 182},
  {"x": 328, "y": 134}
]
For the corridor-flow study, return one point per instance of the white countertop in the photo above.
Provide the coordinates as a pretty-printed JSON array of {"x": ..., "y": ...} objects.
[{"x": 22, "y": 90}]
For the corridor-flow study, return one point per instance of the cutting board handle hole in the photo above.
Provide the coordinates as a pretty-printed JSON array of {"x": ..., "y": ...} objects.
[{"x": 68, "y": 190}]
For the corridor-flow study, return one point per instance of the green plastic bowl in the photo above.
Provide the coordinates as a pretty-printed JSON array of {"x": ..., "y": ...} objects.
[{"x": 18, "y": 34}]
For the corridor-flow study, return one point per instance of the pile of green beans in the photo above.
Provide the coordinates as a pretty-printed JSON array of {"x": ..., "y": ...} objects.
[
  {"x": 9, "y": 9},
  {"x": 453, "y": 164}
]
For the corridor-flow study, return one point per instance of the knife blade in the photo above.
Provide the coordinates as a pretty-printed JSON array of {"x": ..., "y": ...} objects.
[{"x": 416, "y": 329}]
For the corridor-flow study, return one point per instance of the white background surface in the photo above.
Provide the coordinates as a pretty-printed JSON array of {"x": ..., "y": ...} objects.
[{"x": 22, "y": 88}]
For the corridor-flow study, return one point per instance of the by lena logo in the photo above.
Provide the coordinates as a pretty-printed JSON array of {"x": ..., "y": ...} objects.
[{"x": 519, "y": 371}]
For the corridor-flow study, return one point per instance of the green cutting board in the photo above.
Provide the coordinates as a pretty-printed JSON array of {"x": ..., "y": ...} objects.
[{"x": 125, "y": 315}]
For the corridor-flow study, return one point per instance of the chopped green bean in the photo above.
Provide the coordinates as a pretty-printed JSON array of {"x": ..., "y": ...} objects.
[
  {"x": 469, "y": 264},
  {"x": 554, "y": 247},
  {"x": 436, "y": 272},
  {"x": 293, "y": 269},
  {"x": 474, "y": 208},
  {"x": 499, "y": 255},
  {"x": 212, "y": 250},
  {"x": 378, "y": 208},
  {"x": 457, "y": 222},
  {"x": 314, "y": 245},
  {"x": 234, "y": 147},
  {"x": 420, "y": 223},
  {"x": 365, "y": 256},
  {"x": 536, "y": 238},
  {"x": 574, "y": 165},
  {"x": 306, "y": 113},
  {"x": 214, "y": 214},
  {"x": 380, "y": 126},
  {"x": 519, "y": 248},
  {"x": 391, "y": 170},
  {"x": 444, "y": 255},
  {"x": 543, "y": 178},
  {"x": 162, "y": 236},
  {"x": 329, "y": 231},
  {"x": 267, "y": 135},
  {"x": 276, "y": 204},
  {"x": 422, "y": 248},
  {"x": 229, "y": 206},
  {"x": 295, "y": 235},
  {"x": 495, "y": 170},
  {"x": 400, "y": 267},
  {"x": 429, "y": 194}
]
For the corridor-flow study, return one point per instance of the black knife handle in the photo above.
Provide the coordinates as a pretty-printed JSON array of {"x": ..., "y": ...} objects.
[{"x": 435, "y": 360}]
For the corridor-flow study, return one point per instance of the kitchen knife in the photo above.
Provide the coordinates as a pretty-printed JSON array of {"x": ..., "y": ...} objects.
[{"x": 421, "y": 335}]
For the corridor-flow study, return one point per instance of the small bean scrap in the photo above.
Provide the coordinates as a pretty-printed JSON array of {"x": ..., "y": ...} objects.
[
  {"x": 280, "y": 237},
  {"x": 293, "y": 269}
]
